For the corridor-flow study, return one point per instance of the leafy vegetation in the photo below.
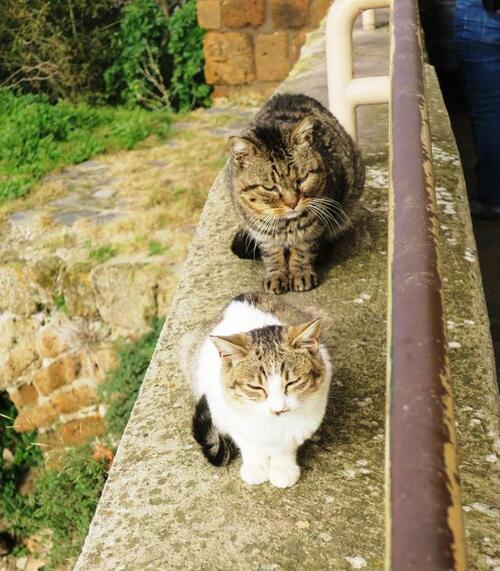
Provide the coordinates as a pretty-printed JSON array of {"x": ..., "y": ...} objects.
[
  {"x": 37, "y": 137},
  {"x": 60, "y": 303},
  {"x": 139, "y": 73},
  {"x": 146, "y": 52},
  {"x": 122, "y": 386},
  {"x": 103, "y": 253},
  {"x": 57, "y": 47},
  {"x": 63, "y": 500},
  {"x": 155, "y": 248},
  {"x": 188, "y": 88},
  {"x": 25, "y": 455},
  {"x": 63, "y": 64}
]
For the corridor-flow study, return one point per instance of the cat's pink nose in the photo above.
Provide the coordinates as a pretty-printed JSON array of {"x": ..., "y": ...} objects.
[{"x": 291, "y": 201}]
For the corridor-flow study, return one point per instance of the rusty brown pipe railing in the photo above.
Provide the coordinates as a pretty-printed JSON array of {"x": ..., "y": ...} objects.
[{"x": 424, "y": 517}]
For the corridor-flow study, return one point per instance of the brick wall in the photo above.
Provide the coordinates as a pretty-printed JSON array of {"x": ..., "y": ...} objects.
[
  {"x": 57, "y": 393},
  {"x": 53, "y": 359},
  {"x": 253, "y": 44}
]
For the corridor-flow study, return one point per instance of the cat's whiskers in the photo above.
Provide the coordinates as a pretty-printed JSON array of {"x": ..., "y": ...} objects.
[
  {"x": 325, "y": 201},
  {"x": 266, "y": 223},
  {"x": 328, "y": 200},
  {"x": 325, "y": 221},
  {"x": 327, "y": 217}
]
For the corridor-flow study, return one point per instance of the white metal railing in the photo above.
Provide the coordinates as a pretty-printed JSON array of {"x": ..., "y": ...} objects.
[
  {"x": 345, "y": 92},
  {"x": 369, "y": 20}
]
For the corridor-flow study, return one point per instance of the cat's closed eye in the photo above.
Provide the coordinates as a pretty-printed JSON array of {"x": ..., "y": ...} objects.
[
  {"x": 257, "y": 388},
  {"x": 291, "y": 383},
  {"x": 270, "y": 188}
]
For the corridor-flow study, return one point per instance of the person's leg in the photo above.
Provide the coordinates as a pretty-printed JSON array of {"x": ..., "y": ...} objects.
[{"x": 480, "y": 65}]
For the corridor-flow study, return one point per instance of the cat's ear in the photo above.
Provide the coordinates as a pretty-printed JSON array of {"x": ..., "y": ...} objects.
[
  {"x": 232, "y": 347},
  {"x": 305, "y": 335},
  {"x": 303, "y": 132},
  {"x": 242, "y": 150}
]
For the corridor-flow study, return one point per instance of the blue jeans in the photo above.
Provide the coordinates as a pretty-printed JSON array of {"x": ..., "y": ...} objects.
[{"x": 477, "y": 43}]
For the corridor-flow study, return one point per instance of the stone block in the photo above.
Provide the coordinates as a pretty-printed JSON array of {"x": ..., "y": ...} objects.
[
  {"x": 76, "y": 288},
  {"x": 15, "y": 328},
  {"x": 289, "y": 13},
  {"x": 20, "y": 357},
  {"x": 23, "y": 395},
  {"x": 209, "y": 14},
  {"x": 254, "y": 94},
  {"x": 297, "y": 40},
  {"x": 47, "y": 271},
  {"x": 103, "y": 360},
  {"x": 271, "y": 56},
  {"x": 74, "y": 399},
  {"x": 241, "y": 13},
  {"x": 18, "y": 291},
  {"x": 229, "y": 58},
  {"x": 59, "y": 372},
  {"x": 35, "y": 416},
  {"x": 318, "y": 11},
  {"x": 125, "y": 293},
  {"x": 40, "y": 543},
  {"x": 49, "y": 439},
  {"x": 79, "y": 431},
  {"x": 54, "y": 339}
]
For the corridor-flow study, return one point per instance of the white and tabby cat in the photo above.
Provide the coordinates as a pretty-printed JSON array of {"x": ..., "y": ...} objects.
[{"x": 262, "y": 378}]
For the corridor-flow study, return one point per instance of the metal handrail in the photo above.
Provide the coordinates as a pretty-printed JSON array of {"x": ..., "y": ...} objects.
[
  {"x": 424, "y": 517},
  {"x": 424, "y": 524}
]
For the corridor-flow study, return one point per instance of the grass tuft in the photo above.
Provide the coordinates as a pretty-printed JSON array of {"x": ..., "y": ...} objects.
[
  {"x": 38, "y": 137},
  {"x": 121, "y": 387},
  {"x": 103, "y": 253}
]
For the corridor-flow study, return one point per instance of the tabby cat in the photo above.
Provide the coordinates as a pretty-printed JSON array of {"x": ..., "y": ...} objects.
[
  {"x": 295, "y": 178},
  {"x": 261, "y": 376}
]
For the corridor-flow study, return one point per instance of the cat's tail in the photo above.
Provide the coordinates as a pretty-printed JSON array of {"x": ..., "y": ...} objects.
[{"x": 218, "y": 449}]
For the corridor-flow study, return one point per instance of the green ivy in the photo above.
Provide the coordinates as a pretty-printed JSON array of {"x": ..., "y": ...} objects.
[
  {"x": 142, "y": 46},
  {"x": 26, "y": 455},
  {"x": 188, "y": 88},
  {"x": 129, "y": 52}
]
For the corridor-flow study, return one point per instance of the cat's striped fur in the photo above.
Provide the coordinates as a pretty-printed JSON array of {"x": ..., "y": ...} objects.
[{"x": 295, "y": 178}]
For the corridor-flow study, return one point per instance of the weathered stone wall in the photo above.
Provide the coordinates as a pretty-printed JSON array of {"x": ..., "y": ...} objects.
[
  {"x": 52, "y": 358},
  {"x": 93, "y": 253},
  {"x": 253, "y": 44}
]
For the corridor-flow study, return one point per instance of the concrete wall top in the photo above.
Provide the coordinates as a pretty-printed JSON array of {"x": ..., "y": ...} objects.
[{"x": 164, "y": 507}]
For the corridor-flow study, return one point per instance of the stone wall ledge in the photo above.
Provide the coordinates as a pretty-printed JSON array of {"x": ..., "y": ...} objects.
[{"x": 164, "y": 507}]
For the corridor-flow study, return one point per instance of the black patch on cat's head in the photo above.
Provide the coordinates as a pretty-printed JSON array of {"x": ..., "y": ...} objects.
[{"x": 272, "y": 140}]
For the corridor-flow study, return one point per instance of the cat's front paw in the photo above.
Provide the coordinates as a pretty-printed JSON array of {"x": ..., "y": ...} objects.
[
  {"x": 254, "y": 473},
  {"x": 303, "y": 281},
  {"x": 276, "y": 283},
  {"x": 284, "y": 476}
]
